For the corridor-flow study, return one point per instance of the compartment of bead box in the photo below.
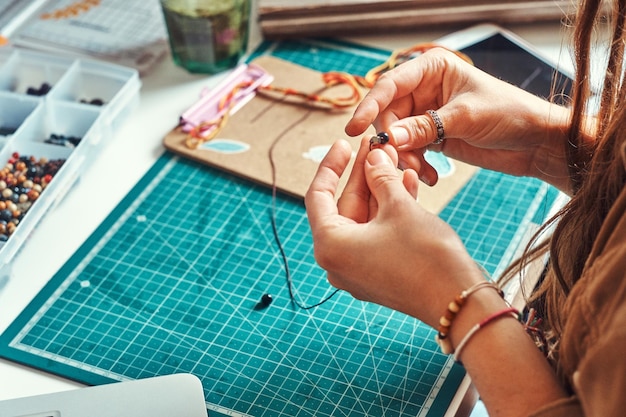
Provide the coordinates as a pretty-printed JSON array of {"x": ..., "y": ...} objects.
[
  {"x": 31, "y": 73},
  {"x": 14, "y": 109},
  {"x": 97, "y": 84},
  {"x": 62, "y": 124},
  {"x": 36, "y": 161},
  {"x": 55, "y": 114}
]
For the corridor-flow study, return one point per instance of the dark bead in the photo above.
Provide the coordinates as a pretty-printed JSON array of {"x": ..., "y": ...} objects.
[
  {"x": 26, "y": 160},
  {"x": 3, "y": 238},
  {"x": 5, "y": 131},
  {"x": 97, "y": 102},
  {"x": 56, "y": 141},
  {"x": 32, "y": 91},
  {"x": 266, "y": 299},
  {"x": 34, "y": 171},
  {"x": 6, "y": 215},
  {"x": 380, "y": 139},
  {"x": 44, "y": 89},
  {"x": 74, "y": 140}
]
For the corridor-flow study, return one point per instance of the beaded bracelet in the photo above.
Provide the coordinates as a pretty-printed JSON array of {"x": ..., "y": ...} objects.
[
  {"x": 453, "y": 309},
  {"x": 507, "y": 311}
]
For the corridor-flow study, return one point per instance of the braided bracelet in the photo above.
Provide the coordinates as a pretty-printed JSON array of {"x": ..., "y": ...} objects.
[
  {"x": 502, "y": 313},
  {"x": 453, "y": 309}
]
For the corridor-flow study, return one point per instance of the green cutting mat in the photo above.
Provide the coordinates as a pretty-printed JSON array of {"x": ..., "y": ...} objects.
[{"x": 170, "y": 281}]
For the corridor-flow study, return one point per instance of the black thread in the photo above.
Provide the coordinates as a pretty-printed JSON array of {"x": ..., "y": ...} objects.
[{"x": 275, "y": 228}]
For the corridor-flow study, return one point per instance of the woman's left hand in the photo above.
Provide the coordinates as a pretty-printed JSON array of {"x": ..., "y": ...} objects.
[{"x": 377, "y": 242}]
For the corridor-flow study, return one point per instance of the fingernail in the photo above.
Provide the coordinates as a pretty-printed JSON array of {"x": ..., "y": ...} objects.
[
  {"x": 400, "y": 135},
  {"x": 379, "y": 157}
]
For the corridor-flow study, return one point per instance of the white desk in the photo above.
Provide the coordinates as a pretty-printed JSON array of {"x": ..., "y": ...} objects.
[{"x": 166, "y": 92}]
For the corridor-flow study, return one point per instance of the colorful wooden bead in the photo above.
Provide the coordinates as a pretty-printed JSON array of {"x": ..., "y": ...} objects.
[{"x": 22, "y": 180}]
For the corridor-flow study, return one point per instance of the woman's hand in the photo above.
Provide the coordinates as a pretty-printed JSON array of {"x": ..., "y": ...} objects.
[
  {"x": 487, "y": 122},
  {"x": 378, "y": 243}
]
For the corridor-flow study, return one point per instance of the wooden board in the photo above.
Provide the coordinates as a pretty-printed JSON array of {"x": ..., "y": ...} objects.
[
  {"x": 302, "y": 136},
  {"x": 286, "y": 18}
]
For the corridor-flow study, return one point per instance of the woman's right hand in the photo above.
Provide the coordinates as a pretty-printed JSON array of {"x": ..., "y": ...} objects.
[{"x": 487, "y": 122}]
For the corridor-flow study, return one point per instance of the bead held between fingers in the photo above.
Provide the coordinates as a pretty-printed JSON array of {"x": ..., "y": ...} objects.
[{"x": 379, "y": 139}]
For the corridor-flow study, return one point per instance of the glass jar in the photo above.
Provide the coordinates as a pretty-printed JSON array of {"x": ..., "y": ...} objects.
[{"x": 207, "y": 36}]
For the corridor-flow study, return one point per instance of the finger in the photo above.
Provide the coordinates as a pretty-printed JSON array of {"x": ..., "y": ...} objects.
[
  {"x": 396, "y": 110},
  {"x": 367, "y": 206},
  {"x": 427, "y": 74},
  {"x": 382, "y": 177},
  {"x": 416, "y": 160},
  {"x": 392, "y": 85},
  {"x": 393, "y": 157},
  {"x": 355, "y": 197},
  {"x": 418, "y": 131},
  {"x": 411, "y": 182},
  {"x": 363, "y": 116},
  {"x": 320, "y": 197}
]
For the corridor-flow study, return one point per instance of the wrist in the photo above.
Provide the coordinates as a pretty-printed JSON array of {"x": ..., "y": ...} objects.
[
  {"x": 479, "y": 306},
  {"x": 467, "y": 304},
  {"x": 549, "y": 162}
]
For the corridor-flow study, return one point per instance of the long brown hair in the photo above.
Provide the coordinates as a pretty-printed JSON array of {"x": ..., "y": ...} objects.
[{"x": 596, "y": 162}]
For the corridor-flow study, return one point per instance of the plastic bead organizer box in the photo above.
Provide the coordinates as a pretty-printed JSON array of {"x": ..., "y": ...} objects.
[
  {"x": 123, "y": 307},
  {"x": 60, "y": 109}
]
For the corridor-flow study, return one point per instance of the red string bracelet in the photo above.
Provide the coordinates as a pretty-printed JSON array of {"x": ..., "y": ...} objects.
[
  {"x": 445, "y": 322},
  {"x": 502, "y": 313}
]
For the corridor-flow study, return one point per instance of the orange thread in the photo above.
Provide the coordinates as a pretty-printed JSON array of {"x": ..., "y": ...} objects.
[
  {"x": 207, "y": 130},
  {"x": 400, "y": 56},
  {"x": 198, "y": 135},
  {"x": 72, "y": 10},
  {"x": 330, "y": 79}
]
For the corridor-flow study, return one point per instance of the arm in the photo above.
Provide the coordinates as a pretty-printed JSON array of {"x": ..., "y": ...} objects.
[{"x": 381, "y": 246}]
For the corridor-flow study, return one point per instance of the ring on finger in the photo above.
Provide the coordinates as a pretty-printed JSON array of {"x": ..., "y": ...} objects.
[{"x": 438, "y": 125}]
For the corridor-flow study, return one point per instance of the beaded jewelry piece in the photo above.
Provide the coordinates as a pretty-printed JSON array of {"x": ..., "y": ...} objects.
[
  {"x": 379, "y": 139},
  {"x": 445, "y": 322}
]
